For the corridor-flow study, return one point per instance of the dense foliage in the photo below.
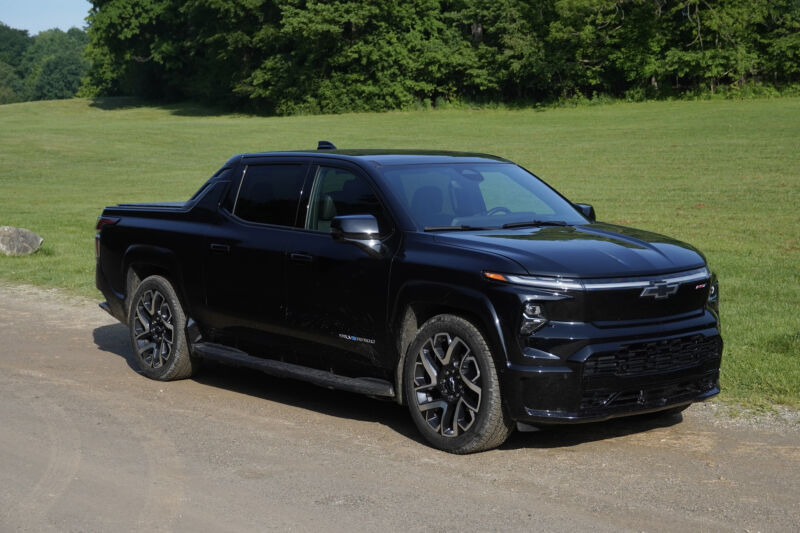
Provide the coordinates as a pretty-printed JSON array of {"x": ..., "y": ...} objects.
[
  {"x": 48, "y": 66},
  {"x": 290, "y": 56}
]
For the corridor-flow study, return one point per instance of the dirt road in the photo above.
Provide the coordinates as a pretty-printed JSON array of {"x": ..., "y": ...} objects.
[{"x": 87, "y": 444}]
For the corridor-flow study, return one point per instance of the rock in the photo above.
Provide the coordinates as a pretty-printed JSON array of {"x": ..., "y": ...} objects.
[{"x": 18, "y": 241}]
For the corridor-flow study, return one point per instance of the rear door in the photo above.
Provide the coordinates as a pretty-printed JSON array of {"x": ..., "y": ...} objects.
[{"x": 245, "y": 267}]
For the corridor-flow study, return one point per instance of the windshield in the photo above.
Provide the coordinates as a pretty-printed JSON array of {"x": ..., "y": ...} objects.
[{"x": 485, "y": 195}]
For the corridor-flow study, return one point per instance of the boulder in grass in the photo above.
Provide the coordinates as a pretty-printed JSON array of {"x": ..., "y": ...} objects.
[{"x": 18, "y": 241}]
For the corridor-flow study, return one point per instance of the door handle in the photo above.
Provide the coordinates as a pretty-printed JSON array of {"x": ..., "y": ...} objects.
[
  {"x": 220, "y": 248},
  {"x": 300, "y": 257}
]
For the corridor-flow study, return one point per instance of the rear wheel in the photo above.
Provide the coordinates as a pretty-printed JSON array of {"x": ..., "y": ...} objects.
[
  {"x": 157, "y": 326},
  {"x": 132, "y": 281},
  {"x": 452, "y": 388}
]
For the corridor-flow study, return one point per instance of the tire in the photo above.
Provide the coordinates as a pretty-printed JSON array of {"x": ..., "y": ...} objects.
[
  {"x": 451, "y": 386},
  {"x": 132, "y": 281},
  {"x": 157, "y": 326}
]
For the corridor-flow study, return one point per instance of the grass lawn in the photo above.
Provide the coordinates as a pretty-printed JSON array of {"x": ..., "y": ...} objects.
[{"x": 722, "y": 175}]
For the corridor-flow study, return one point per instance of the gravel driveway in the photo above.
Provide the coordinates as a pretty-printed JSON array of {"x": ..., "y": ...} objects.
[{"x": 87, "y": 444}]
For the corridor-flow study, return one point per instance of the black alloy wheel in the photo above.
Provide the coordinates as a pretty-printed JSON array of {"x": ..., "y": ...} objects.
[
  {"x": 157, "y": 321},
  {"x": 447, "y": 384},
  {"x": 452, "y": 389},
  {"x": 153, "y": 329}
]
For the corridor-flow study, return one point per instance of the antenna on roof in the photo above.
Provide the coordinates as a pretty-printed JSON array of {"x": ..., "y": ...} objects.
[{"x": 326, "y": 145}]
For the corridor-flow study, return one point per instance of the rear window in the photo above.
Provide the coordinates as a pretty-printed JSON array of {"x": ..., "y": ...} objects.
[
  {"x": 269, "y": 194},
  {"x": 221, "y": 175}
]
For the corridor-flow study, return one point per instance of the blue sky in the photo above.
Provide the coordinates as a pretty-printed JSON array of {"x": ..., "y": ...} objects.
[{"x": 38, "y": 15}]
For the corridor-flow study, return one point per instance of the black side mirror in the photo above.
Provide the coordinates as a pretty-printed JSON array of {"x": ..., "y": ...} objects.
[
  {"x": 587, "y": 211},
  {"x": 361, "y": 230}
]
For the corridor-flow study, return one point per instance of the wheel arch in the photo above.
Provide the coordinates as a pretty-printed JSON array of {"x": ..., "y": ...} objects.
[
  {"x": 148, "y": 260},
  {"x": 419, "y": 301}
]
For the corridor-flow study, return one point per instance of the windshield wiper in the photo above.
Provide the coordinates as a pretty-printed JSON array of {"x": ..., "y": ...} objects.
[
  {"x": 534, "y": 223},
  {"x": 455, "y": 228}
]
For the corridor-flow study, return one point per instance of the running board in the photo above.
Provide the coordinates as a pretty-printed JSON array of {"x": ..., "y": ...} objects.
[{"x": 232, "y": 356}]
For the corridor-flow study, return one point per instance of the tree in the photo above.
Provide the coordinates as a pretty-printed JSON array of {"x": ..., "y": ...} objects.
[
  {"x": 11, "y": 86},
  {"x": 13, "y": 44},
  {"x": 51, "y": 66},
  {"x": 358, "y": 56},
  {"x": 57, "y": 76},
  {"x": 779, "y": 41}
]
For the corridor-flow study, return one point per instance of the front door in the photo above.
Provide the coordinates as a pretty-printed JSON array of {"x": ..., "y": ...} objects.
[{"x": 337, "y": 300}]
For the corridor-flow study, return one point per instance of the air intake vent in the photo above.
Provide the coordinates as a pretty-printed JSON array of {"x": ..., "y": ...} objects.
[
  {"x": 641, "y": 359},
  {"x": 325, "y": 145}
]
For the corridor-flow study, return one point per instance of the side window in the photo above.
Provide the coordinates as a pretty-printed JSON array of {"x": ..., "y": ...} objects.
[
  {"x": 339, "y": 192},
  {"x": 269, "y": 194}
]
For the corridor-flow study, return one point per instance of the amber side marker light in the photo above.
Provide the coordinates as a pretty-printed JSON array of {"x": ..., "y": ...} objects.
[{"x": 495, "y": 276}]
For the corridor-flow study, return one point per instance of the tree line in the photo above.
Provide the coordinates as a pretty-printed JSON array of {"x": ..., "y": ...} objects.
[
  {"x": 310, "y": 56},
  {"x": 47, "y": 66},
  {"x": 290, "y": 56}
]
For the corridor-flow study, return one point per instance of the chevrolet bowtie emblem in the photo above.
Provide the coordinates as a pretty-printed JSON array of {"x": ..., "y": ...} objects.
[{"x": 660, "y": 290}]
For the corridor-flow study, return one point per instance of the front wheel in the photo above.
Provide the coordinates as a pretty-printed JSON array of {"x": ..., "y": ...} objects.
[
  {"x": 157, "y": 322},
  {"x": 451, "y": 385}
]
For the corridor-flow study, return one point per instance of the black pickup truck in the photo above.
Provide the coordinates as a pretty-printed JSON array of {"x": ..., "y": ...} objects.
[{"x": 458, "y": 284}]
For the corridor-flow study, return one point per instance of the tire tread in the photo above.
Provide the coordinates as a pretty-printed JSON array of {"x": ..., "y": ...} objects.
[{"x": 182, "y": 365}]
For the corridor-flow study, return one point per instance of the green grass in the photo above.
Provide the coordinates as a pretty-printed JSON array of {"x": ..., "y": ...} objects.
[{"x": 722, "y": 175}]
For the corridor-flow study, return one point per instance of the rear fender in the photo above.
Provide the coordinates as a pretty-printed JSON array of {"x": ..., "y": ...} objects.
[{"x": 150, "y": 259}]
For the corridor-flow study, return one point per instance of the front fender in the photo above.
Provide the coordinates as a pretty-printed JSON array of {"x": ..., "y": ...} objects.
[{"x": 454, "y": 299}]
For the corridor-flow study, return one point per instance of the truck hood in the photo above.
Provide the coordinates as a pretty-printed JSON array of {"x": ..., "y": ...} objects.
[{"x": 587, "y": 251}]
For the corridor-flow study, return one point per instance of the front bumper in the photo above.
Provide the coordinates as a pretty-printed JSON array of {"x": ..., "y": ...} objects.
[{"x": 641, "y": 371}]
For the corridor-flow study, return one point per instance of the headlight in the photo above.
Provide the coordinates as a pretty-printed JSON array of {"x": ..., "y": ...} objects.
[
  {"x": 533, "y": 318},
  {"x": 713, "y": 293}
]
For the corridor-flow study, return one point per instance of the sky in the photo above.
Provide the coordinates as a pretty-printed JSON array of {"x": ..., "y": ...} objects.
[{"x": 39, "y": 15}]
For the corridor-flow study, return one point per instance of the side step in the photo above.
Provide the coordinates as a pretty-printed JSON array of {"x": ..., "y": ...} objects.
[{"x": 232, "y": 356}]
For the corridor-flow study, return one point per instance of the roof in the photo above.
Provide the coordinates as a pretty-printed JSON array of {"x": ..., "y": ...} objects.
[{"x": 392, "y": 157}]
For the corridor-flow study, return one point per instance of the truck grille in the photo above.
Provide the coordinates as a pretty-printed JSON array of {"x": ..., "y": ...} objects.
[
  {"x": 654, "y": 357},
  {"x": 652, "y": 396}
]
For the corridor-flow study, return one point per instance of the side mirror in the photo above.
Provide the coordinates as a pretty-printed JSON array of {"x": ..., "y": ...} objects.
[
  {"x": 361, "y": 230},
  {"x": 587, "y": 211}
]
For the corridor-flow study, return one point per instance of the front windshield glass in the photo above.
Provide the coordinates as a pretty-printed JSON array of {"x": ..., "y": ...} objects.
[{"x": 485, "y": 195}]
